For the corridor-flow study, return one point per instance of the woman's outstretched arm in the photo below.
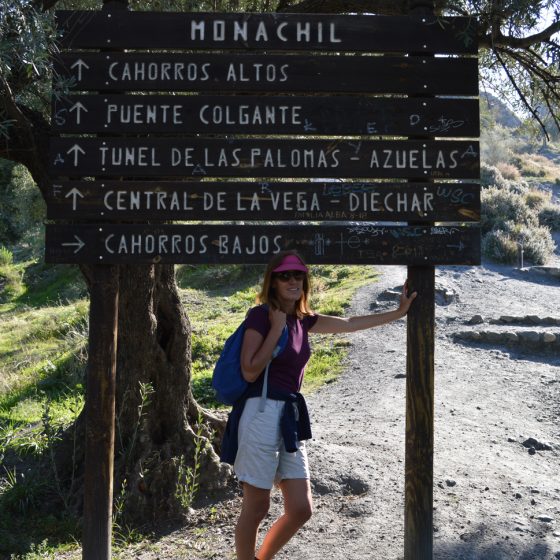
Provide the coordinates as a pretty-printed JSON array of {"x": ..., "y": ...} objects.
[{"x": 330, "y": 324}]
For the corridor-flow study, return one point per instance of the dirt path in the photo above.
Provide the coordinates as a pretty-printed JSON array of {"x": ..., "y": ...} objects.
[{"x": 493, "y": 499}]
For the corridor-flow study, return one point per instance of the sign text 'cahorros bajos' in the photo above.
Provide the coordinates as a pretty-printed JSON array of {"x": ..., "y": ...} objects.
[{"x": 357, "y": 244}]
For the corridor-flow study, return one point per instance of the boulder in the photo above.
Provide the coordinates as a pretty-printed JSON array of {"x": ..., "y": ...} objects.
[
  {"x": 531, "y": 337},
  {"x": 549, "y": 337}
]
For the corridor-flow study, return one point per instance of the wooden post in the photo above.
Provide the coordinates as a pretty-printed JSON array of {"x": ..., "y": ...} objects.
[
  {"x": 100, "y": 413},
  {"x": 420, "y": 416},
  {"x": 419, "y": 452}
]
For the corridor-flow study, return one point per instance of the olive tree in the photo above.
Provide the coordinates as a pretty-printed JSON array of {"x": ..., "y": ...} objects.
[{"x": 154, "y": 332}]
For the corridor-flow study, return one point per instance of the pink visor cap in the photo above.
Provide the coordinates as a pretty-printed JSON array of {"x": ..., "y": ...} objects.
[{"x": 290, "y": 262}]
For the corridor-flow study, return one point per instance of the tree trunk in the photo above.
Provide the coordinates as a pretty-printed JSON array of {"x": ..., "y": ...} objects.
[
  {"x": 157, "y": 416},
  {"x": 154, "y": 349}
]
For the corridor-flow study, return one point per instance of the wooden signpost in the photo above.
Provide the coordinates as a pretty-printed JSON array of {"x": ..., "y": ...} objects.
[{"x": 344, "y": 137}]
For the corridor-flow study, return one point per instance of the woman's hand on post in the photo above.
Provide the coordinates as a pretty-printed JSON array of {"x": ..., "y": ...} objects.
[{"x": 406, "y": 300}]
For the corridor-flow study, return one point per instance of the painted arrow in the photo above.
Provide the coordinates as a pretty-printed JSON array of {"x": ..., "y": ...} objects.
[
  {"x": 80, "y": 64},
  {"x": 78, "y": 107},
  {"x": 79, "y": 244},
  {"x": 75, "y": 149},
  {"x": 74, "y": 193}
]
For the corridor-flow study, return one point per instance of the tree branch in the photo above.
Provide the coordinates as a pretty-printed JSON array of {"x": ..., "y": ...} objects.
[
  {"x": 381, "y": 7},
  {"x": 27, "y": 141},
  {"x": 498, "y": 39},
  {"x": 520, "y": 93}
]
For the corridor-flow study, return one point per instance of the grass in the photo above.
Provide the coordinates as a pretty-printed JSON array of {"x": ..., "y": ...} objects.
[
  {"x": 43, "y": 354},
  {"x": 539, "y": 168}
]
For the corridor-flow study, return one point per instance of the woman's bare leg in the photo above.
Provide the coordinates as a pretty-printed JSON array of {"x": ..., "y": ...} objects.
[
  {"x": 298, "y": 507},
  {"x": 254, "y": 508}
]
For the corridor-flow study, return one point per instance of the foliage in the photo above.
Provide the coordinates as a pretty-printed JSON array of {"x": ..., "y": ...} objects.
[
  {"x": 21, "y": 206},
  {"x": 501, "y": 205},
  {"x": 123, "y": 534},
  {"x": 511, "y": 219},
  {"x": 524, "y": 72},
  {"x": 498, "y": 246},
  {"x": 497, "y": 145},
  {"x": 509, "y": 172},
  {"x": 187, "y": 476},
  {"x": 6, "y": 256},
  {"x": 549, "y": 216}
]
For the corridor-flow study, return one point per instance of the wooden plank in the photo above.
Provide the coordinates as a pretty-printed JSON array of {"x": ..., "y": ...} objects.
[
  {"x": 268, "y": 73},
  {"x": 223, "y": 114},
  {"x": 364, "y": 243},
  {"x": 211, "y": 157},
  {"x": 123, "y": 29},
  {"x": 310, "y": 201}
]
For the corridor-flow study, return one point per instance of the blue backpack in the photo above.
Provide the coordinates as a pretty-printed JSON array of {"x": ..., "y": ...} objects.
[{"x": 227, "y": 380}]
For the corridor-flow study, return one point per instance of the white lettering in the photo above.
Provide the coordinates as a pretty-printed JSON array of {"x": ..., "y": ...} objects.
[
  {"x": 197, "y": 27},
  {"x": 219, "y": 30}
]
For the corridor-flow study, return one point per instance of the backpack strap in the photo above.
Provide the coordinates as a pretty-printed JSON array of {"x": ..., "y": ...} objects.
[{"x": 279, "y": 347}]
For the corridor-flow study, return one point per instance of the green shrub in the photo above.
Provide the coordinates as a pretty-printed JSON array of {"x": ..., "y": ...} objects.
[
  {"x": 498, "y": 246},
  {"x": 501, "y": 176},
  {"x": 502, "y": 244},
  {"x": 21, "y": 206},
  {"x": 509, "y": 171},
  {"x": 537, "y": 199},
  {"x": 538, "y": 245},
  {"x": 510, "y": 219},
  {"x": 501, "y": 205},
  {"x": 6, "y": 256},
  {"x": 497, "y": 145},
  {"x": 491, "y": 176},
  {"x": 549, "y": 216}
]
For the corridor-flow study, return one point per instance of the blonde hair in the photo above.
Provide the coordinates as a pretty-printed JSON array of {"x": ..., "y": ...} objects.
[{"x": 267, "y": 294}]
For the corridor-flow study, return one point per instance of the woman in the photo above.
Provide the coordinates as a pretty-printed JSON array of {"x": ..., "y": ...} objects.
[{"x": 269, "y": 444}]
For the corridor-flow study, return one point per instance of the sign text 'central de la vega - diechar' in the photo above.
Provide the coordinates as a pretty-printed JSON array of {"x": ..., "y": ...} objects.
[{"x": 315, "y": 201}]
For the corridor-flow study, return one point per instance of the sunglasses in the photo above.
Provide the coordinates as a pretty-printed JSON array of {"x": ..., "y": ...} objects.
[{"x": 285, "y": 276}]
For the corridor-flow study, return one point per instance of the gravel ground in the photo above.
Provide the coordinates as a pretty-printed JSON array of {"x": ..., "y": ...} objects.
[{"x": 493, "y": 500}]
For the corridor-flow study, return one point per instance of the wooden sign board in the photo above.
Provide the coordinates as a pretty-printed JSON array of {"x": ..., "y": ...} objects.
[
  {"x": 311, "y": 201},
  {"x": 267, "y": 73},
  {"x": 160, "y": 30},
  {"x": 351, "y": 244},
  {"x": 250, "y": 114},
  {"x": 200, "y": 157}
]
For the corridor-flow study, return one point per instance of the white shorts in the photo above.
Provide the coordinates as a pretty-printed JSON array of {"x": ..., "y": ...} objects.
[{"x": 262, "y": 458}]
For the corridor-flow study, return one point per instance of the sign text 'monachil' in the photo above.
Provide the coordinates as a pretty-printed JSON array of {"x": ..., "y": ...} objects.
[{"x": 123, "y": 29}]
